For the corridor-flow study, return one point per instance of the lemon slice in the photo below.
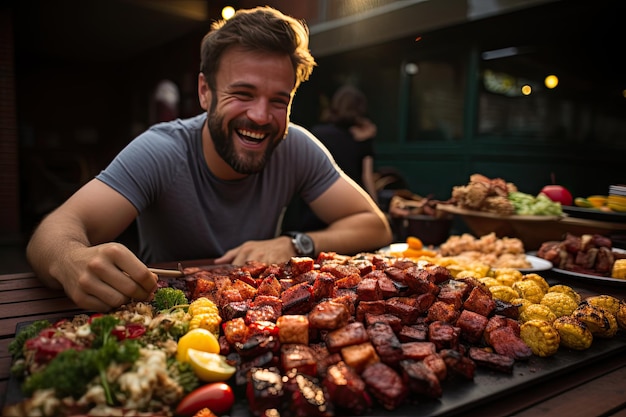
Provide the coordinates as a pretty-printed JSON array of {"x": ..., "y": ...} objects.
[
  {"x": 199, "y": 339},
  {"x": 210, "y": 367}
]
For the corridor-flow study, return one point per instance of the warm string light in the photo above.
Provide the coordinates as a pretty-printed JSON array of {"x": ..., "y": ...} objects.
[{"x": 228, "y": 12}]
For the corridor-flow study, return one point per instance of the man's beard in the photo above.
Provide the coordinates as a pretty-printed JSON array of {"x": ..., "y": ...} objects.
[{"x": 246, "y": 163}]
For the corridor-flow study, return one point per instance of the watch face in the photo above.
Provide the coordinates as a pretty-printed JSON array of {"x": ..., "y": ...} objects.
[{"x": 305, "y": 244}]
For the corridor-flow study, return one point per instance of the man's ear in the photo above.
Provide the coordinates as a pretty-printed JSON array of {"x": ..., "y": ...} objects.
[{"x": 204, "y": 92}]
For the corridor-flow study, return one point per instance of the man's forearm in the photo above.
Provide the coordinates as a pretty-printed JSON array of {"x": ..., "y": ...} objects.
[{"x": 359, "y": 232}]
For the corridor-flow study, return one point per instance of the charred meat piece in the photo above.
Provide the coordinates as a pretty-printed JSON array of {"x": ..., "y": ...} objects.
[
  {"x": 369, "y": 290},
  {"x": 264, "y": 390},
  {"x": 472, "y": 325},
  {"x": 350, "y": 334},
  {"x": 371, "y": 307},
  {"x": 506, "y": 309},
  {"x": 406, "y": 308},
  {"x": 413, "y": 333},
  {"x": 257, "y": 344},
  {"x": 324, "y": 286},
  {"x": 418, "y": 350},
  {"x": 360, "y": 356},
  {"x": 420, "y": 379},
  {"x": 480, "y": 301},
  {"x": 506, "y": 342},
  {"x": 386, "y": 343},
  {"x": 298, "y": 299},
  {"x": 393, "y": 321},
  {"x": 306, "y": 396},
  {"x": 444, "y": 312},
  {"x": 328, "y": 315},
  {"x": 491, "y": 360},
  {"x": 436, "y": 363},
  {"x": 300, "y": 265},
  {"x": 458, "y": 363},
  {"x": 420, "y": 281},
  {"x": 443, "y": 335},
  {"x": 299, "y": 357},
  {"x": 385, "y": 385},
  {"x": 270, "y": 286},
  {"x": 293, "y": 328},
  {"x": 346, "y": 389},
  {"x": 235, "y": 309}
]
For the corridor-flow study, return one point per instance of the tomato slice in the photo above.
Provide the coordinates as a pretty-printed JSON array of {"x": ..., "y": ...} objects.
[{"x": 217, "y": 397}]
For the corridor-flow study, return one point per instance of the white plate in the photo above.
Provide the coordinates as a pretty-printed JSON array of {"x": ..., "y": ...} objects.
[
  {"x": 590, "y": 277},
  {"x": 537, "y": 264},
  {"x": 394, "y": 248},
  {"x": 593, "y": 277}
]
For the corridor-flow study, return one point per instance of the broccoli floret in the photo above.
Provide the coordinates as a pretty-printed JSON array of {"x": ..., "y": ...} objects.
[
  {"x": 169, "y": 298},
  {"x": 16, "y": 347}
]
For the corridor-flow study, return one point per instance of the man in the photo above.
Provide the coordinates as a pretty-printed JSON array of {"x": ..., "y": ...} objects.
[{"x": 212, "y": 186}]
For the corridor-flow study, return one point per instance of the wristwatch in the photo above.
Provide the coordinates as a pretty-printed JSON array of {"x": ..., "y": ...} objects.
[{"x": 302, "y": 243}]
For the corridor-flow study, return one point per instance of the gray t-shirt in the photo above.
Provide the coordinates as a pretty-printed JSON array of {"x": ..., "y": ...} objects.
[{"x": 185, "y": 212}]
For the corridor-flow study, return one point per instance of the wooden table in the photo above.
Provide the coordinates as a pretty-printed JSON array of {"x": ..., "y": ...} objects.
[{"x": 598, "y": 389}]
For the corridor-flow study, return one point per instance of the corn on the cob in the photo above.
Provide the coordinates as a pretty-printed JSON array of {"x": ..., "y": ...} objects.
[
  {"x": 503, "y": 292},
  {"x": 560, "y": 303},
  {"x": 529, "y": 289},
  {"x": 489, "y": 281},
  {"x": 599, "y": 321},
  {"x": 517, "y": 275},
  {"x": 619, "y": 269},
  {"x": 621, "y": 315},
  {"x": 205, "y": 314},
  {"x": 521, "y": 303},
  {"x": 506, "y": 279},
  {"x": 542, "y": 338},
  {"x": 607, "y": 302},
  {"x": 537, "y": 312},
  {"x": 543, "y": 284},
  {"x": 567, "y": 290},
  {"x": 573, "y": 332}
]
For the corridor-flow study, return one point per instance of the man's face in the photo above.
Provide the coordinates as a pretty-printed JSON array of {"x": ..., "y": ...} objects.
[{"x": 249, "y": 112}]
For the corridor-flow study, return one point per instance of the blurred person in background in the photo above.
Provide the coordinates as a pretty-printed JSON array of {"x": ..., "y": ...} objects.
[
  {"x": 214, "y": 185},
  {"x": 348, "y": 133}
]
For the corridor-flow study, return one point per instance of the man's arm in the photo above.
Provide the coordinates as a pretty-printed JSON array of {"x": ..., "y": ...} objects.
[
  {"x": 72, "y": 248},
  {"x": 356, "y": 224}
]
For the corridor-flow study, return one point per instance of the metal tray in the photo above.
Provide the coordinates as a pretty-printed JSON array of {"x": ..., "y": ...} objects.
[{"x": 460, "y": 395}]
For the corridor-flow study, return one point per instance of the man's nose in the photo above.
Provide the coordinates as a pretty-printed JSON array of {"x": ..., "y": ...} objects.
[{"x": 259, "y": 112}]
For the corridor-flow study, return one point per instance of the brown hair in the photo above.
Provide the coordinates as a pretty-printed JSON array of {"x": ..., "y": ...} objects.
[
  {"x": 347, "y": 106},
  {"x": 263, "y": 29}
]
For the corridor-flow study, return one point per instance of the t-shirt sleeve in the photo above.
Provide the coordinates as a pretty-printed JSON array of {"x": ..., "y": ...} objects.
[
  {"x": 318, "y": 168},
  {"x": 144, "y": 167}
]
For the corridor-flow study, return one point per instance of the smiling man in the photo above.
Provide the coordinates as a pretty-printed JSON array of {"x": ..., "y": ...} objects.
[{"x": 212, "y": 186}]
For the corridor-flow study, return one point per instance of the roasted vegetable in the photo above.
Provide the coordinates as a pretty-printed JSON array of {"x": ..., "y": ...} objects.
[
  {"x": 600, "y": 322},
  {"x": 537, "y": 312},
  {"x": 560, "y": 303},
  {"x": 16, "y": 347},
  {"x": 566, "y": 289},
  {"x": 542, "y": 338},
  {"x": 619, "y": 269},
  {"x": 529, "y": 290},
  {"x": 606, "y": 302},
  {"x": 573, "y": 332},
  {"x": 503, "y": 292},
  {"x": 205, "y": 315},
  {"x": 539, "y": 280},
  {"x": 168, "y": 298}
]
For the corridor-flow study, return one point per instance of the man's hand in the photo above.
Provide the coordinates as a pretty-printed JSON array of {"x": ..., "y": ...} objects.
[
  {"x": 273, "y": 251},
  {"x": 105, "y": 276}
]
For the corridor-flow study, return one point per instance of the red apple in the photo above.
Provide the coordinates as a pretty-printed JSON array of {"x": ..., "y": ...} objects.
[{"x": 558, "y": 193}]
